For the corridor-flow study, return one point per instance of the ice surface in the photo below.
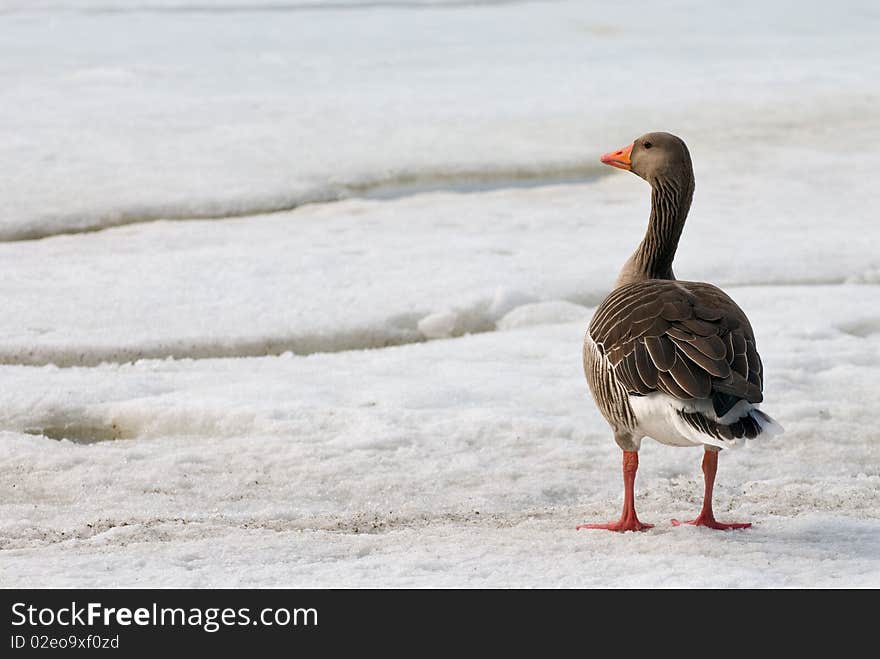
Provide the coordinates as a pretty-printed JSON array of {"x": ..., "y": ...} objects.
[
  {"x": 186, "y": 401},
  {"x": 112, "y": 117},
  {"x": 360, "y": 274},
  {"x": 463, "y": 462},
  {"x": 544, "y": 313}
]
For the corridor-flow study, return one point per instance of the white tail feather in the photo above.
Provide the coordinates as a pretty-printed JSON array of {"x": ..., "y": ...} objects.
[
  {"x": 658, "y": 418},
  {"x": 769, "y": 426}
]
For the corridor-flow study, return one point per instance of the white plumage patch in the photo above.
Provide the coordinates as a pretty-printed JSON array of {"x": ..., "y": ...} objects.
[{"x": 657, "y": 417}]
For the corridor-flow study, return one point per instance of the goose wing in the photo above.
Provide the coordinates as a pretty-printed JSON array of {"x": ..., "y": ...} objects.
[{"x": 686, "y": 339}]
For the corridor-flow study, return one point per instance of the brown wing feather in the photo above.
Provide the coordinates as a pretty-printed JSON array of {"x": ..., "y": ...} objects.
[
  {"x": 629, "y": 367},
  {"x": 676, "y": 332},
  {"x": 691, "y": 377},
  {"x": 717, "y": 367},
  {"x": 708, "y": 312},
  {"x": 646, "y": 368},
  {"x": 661, "y": 351},
  {"x": 667, "y": 383},
  {"x": 728, "y": 342},
  {"x": 686, "y": 339},
  {"x": 712, "y": 346},
  {"x": 675, "y": 310}
]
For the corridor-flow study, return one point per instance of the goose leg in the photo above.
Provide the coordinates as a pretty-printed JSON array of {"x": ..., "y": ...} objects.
[
  {"x": 628, "y": 520},
  {"x": 706, "y": 516}
]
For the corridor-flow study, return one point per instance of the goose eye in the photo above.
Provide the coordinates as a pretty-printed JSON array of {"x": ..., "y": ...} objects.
[{"x": 647, "y": 145}]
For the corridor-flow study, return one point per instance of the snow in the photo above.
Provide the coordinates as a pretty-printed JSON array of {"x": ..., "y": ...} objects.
[
  {"x": 543, "y": 313},
  {"x": 385, "y": 388},
  {"x": 439, "y": 325},
  {"x": 369, "y": 273},
  {"x": 453, "y": 462},
  {"x": 178, "y": 110}
]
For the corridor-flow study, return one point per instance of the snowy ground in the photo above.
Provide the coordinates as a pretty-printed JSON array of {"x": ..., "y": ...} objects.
[
  {"x": 457, "y": 462},
  {"x": 115, "y": 111},
  {"x": 189, "y": 402}
]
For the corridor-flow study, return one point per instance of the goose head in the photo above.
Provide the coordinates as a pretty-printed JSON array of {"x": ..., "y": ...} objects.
[{"x": 653, "y": 157}]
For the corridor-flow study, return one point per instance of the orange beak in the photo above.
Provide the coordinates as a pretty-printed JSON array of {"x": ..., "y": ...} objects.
[{"x": 619, "y": 158}]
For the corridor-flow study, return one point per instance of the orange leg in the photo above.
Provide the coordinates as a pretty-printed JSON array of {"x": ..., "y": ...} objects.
[
  {"x": 628, "y": 520},
  {"x": 706, "y": 516}
]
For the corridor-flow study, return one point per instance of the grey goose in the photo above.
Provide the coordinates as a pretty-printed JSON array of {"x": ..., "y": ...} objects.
[{"x": 667, "y": 359}]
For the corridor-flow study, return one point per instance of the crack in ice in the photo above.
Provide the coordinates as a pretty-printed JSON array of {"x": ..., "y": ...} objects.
[{"x": 391, "y": 187}]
